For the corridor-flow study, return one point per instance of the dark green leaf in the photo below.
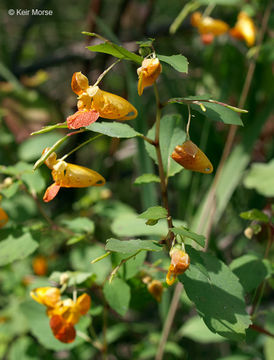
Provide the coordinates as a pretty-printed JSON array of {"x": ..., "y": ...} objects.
[
  {"x": 146, "y": 178},
  {"x": 116, "y": 51},
  {"x": 199, "y": 239},
  {"x": 131, "y": 246},
  {"x": 254, "y": 214},
  {"x": 113, "y": 129},
  {"x": 178, "y": 62},
  {"x": 219, "y": 297},
  {"x": 117, "y": 294},
  {"x": 251, "y": 270}
]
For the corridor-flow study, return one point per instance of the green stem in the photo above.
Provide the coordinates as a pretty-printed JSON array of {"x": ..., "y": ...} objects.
[
  {"x": 114, "y": 271},
  {"x": 81, "y": 145},
  {"x": 163, "y": 178}
]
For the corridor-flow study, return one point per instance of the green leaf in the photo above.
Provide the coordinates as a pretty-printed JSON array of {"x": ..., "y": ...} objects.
[
  {"x": 34, "y": 181},
  {"x": 178, "y": 62},
  {"x": 113, "y": 129},
  {"x": 131, "y": 246},
  {"x": 196, "y": 330},
  {"x": 251, "y": 270},
  {"x": 212, "y": 109},
  {"x": 13, "y": 249},
  {"x": 146, "y": 178},
  {"x": 80, "y": 260},
  {"x": 260, "y": 177},
  {"x": 219, "y": 297},
  {"x": 154, "y": 213},
  {"x": 19, "y": 349},
  {"x": 117, "y": 294},
  {"x": 219, "y": 2},
  {"x": 116, "y": 51},
  {"x": 254, "y": 214},
  {"x": 31, "y": 149},
  {"x": 39, "y": 326},
  {"x": 133, "y": 265},
  {"x": 171, "y": 135},
  {"x": 130, "y": 225},
  {"x": 199, "y": 239},
  {"x": 11, "y": 190},
  {"x": 79, "y": 225}
]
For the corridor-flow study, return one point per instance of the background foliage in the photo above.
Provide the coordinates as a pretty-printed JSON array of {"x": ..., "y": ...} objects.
[{"x": 39, "y": 54}]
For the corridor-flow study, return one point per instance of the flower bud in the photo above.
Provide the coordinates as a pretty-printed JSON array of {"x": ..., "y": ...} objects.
[{"x": 79, "y": 83}]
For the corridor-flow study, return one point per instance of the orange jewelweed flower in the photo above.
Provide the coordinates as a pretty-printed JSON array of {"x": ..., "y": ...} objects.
[
  {"x": 180, "y": 262},
  {"x": 244, "y": 29},
  {"x": 63, "y": 314},
  {"x": 192, "y": 158},
  {"x": 3, "y": 218},
  {"x": 148, "y": 73},
  {"x": 40, "y": 265},
  {"x": 208, "y": 26},
  {"x": 155, "y": 287},
  {"x": 69, "y": 175},
  {"x": 94, "y": 102}
]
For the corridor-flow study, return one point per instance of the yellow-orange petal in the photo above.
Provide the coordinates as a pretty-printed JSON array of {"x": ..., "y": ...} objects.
[
  {"x": 244, "y": 29},
  {"x": 82, "y": 118},
  {"x": 71, "y": 175},
  {"x": 170, "y": 277},
  {"x": 79, "y": 83},
  {"x": 111, "y": 106},
  {"x": 213, "y": 26},
  {"x": 51, "y": 192},
  {"x": 140, "y": 86},
  {"x": 62, "y": 330},
  {"x": 51, "y": 160},
  {"x": 83, "y": 303},
  {"x": 196, "y": 18},
  {"x": 180, "y": 261},
  {"x": 3, "y": 218},
  {"x": 192, "y": 158},
  {"x": 48, "y": 296},
  {"x": 155, "y": 287},
  {"x": 40, "y": 265}
]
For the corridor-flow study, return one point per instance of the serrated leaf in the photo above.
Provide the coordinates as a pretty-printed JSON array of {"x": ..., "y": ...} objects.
[
  {"x": 116, "y": 51},
  {"x": 254, "y": 214},
  {"x": 117, "y": 294},
  {"x": 199, "y": 239},
  {"x": 178, "y": 62},
  {"x": 171, "y": 135},
  {"x": 251, "y": 270},
  {"x": 13, "y": 249},
  {"x": 219, "y": 298},
  {"x": 79, "y": 225},
  {"x": 113, "y": 129},
  {"x": 146, "y": 178},
  {"x": 260, "y": 177},
  {"x": 212, "y": 109},
  {"x": 154, "y": 213},
  {"x": 131, "y": 246}
]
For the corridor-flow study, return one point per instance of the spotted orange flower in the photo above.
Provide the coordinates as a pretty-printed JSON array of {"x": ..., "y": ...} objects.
[
  {"x": 180, "y": 262},
  {"x": 69, "y": 175},
  {"x": 94, "y": 102},
  {"x": 148, "y": 73},
  {"x": 244, "y": 29},
  {"x": 208, "y": 27},
  {"x": 63, "y": 314},
  {"x": 192, "y": 158}
]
